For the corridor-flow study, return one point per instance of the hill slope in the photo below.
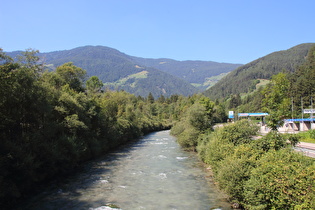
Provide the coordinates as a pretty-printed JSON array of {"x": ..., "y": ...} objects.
[
  {"x": 194, "y": 72},
  {"x": 245, "y": 78},
  {"x": 118, "y": 71},
  {"x": 121, "y": 71}
]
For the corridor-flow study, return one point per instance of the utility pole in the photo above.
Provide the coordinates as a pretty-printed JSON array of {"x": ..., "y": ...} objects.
[
  {"x": 312, "y": 107},
  {"x": 312, "y": 120},
  {"x": 292, "y": 107},
  {"x": 302, "y": 115}
]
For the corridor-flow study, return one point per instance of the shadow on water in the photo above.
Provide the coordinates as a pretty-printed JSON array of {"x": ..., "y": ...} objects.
[
  {"x": 63, "y": 192},
  {"x": 143, "y": 173}
]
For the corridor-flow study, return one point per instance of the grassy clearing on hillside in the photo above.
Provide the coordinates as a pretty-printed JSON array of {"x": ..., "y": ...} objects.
[
  {"x": 262, "y": 82},
  {"x": 209, "y": 81},
  {"x": 122, "y": 81}
]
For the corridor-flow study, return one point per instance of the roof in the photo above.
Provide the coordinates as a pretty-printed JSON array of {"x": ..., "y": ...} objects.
[
  {"x": 252, "y": 114},
  {"x": 300, "y": 120}
]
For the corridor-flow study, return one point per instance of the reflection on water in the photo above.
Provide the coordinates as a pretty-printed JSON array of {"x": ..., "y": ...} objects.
[{"x": 153, "y": 173}]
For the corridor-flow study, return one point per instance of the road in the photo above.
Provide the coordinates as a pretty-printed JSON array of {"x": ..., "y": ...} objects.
[{"x": 307, "y": 148}]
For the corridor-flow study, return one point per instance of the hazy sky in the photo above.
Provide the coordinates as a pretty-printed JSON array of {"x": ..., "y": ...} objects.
[{"x": 235, "y": 31}]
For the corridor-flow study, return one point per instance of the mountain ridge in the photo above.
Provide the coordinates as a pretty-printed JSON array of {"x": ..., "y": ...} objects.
[
  {"x": 193, "y": 71},
  {"x": 115, "y": 68},
  {"x": 245, "y": 78}
]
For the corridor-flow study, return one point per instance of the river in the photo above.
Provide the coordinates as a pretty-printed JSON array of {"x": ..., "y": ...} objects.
[{"x": 152, "y": 173}]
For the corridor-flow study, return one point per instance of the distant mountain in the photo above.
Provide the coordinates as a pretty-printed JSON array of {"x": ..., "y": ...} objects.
[
  {"x": 140, "y": 75},
  {"x": 195, "y": 72},
  {"x": 119, "y": 71},
  {"x": 245, "y": 78}
]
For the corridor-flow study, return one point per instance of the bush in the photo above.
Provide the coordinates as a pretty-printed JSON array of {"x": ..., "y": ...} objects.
[
  {"x": 235, "y": 170},
  {"x": 250, "y": 171},
  {"x": 220, "y": 144},
  {"x": 272, "y": 141},
  {"x": 214, "y": 151},
  {"x": 283, "y": 179},
  {"x": 195, "y": 121},
  {"x": 178, "y": 128},
  {"x": 188, "y": 138},
  {"x": 239, "y": 132}
]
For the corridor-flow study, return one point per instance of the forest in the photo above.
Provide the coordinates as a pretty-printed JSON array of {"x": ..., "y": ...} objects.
[{"x": 245, "y": 78}]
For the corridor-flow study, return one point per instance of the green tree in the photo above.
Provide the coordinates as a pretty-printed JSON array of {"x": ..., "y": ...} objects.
[
  {"x": 276, "y": 100},
  {"x": 235, "y": 101},
  {"x": 150, "y": 98},
  {"x": 24, "y": 111},
  {"x": 198, "y": 117},
  {"x": 209, "y": 107},
  {"x": 161, "y": 99},
  {"x": 29, "y": 60},
  {"x": 94, "y": 84},
  {"x": 303, "y": 82},
  {"x": 72, "y": 75}
]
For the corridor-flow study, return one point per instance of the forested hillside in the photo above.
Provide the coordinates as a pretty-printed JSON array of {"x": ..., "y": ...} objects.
[
  {"x": 120, "y": 71},
  {"x": 245, "y": 78},
  {"x": 196, "y": 72},
  {"x": 117, "y": 71}
]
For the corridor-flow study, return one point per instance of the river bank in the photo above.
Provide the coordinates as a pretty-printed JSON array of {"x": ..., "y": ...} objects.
[{"x": 152, "y": 173}]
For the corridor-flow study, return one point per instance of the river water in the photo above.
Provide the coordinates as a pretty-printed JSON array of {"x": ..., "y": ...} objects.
[{"x": 152, "y": 173}]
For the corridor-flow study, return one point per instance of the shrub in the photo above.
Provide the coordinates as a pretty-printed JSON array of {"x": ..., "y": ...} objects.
[
  {"x": 212, "y": 149},
  {"x": 178, "y": 128},
  {"x": 235, "y": 170},
  {"x": 239, "y": 132},
  {"x": 188, "y": 138},
  {"x": 216, "y": 146},
  {"x": 283, "y": 179},
  {"x": 272, "y": 141}
]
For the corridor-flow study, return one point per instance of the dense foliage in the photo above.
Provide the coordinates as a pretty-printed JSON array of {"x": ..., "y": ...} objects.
[
  {"x": 244, "y": 78},
  {"x": 51, "y": 121},
  {"x": 256, "y": 174},
  {"x": 198, "y": 115}
]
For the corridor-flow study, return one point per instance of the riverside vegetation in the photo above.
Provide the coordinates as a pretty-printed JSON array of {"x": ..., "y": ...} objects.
[
  {"x": 256, "y": 174},
  {"x": 265, "y": 173},
  {"x": 52, "y": 121}
]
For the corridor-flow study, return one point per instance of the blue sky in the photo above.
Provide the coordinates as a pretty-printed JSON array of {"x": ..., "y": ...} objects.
[{"x": 234, "y": 31}]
